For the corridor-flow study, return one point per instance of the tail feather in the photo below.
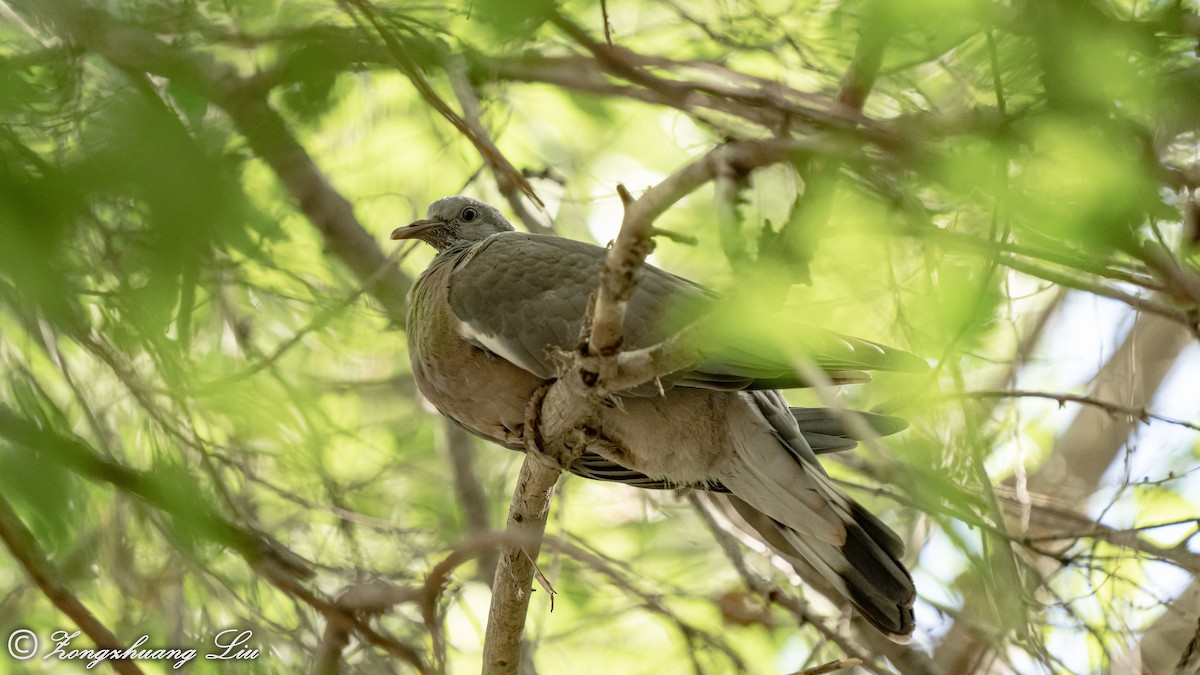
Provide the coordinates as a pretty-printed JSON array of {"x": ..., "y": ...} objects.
[
  {"x": 876, "y": 531},
  {"x": 877, "y": 581},
  {"x": 873, "y": 580},
  {"x": 783, "y": 493}
]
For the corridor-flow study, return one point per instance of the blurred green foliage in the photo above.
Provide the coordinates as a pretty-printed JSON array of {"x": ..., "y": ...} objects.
[{"x": 198, "y": 388}]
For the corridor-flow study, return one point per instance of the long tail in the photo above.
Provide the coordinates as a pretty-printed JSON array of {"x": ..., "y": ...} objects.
[
  {"x": 870, "y": 577},
  {"x": 782, "y": 493}
]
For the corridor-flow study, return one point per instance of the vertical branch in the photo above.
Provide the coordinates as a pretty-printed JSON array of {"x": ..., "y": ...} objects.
[
  {"x": 564, "y": 403},
  {"x": 514, "y": 573}
]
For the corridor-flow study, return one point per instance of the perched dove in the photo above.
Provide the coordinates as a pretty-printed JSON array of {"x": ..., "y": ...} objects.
[{"x": 493, "y": 305}]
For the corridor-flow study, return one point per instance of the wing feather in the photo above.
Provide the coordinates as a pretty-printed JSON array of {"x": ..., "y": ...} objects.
[{"x": 521, "y": 296}]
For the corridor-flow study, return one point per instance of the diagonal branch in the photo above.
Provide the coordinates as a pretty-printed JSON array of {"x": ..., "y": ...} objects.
[
  {"x": 277, "y": 564},
  {"x": 506, "y": 174},
  {"x": 24, "y": 548},
  {"x": 135, "y": 49},
  {"x": 771, "y": 593},
  {"x": 468, "y": 98},
  {"x": 187, "y": 510}
]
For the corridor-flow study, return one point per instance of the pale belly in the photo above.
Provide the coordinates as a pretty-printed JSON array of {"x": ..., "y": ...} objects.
[{"x": 680, "y": 436}]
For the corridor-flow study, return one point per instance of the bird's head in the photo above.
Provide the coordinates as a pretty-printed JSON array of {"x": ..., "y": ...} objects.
[{"x": 455, "y": 219}]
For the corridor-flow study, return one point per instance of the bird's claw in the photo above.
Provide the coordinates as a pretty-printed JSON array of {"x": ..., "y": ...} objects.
[
  {"x": 531, "y": 432},
  {"x": 558, "y": 454}
]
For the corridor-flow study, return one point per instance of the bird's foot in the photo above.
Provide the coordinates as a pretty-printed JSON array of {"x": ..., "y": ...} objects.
[
  {"x": 557, "y": 454},
  {"x": 532, "y": 431}
]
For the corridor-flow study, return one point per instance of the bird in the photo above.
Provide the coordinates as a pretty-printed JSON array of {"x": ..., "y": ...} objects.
[{"x": 487, "y": 315}]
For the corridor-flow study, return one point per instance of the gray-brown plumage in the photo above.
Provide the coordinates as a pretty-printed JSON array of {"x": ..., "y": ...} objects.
[{"x": 492, "y": 305}]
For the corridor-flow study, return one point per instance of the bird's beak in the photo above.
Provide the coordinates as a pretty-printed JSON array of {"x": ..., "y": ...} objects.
[{"x": 413, "y": 229}]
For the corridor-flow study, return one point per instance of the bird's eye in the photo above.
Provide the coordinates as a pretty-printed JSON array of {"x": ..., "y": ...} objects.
[{"x": 469, "y": 214}]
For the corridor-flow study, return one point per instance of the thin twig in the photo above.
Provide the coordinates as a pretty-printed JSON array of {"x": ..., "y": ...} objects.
[
  {"x": 336, "y": 613},
  {"x": 412, "y": 70},
  {"x": 831, "y": 667},
  {"x": 607, "y": 23},
  {"x": 773, "y": 594},
  {"x": 192, "y": 514},
  {"x": 473, "y": 117},
  {"x": 651, "y": 602},
  {"x": 1141, "y": 414},
  {"x": 319, "y": 322},
  {"x": 1037, "y": 267}
]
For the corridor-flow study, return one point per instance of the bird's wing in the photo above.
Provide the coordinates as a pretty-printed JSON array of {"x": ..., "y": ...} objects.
[{"x": 520, "y": 296}]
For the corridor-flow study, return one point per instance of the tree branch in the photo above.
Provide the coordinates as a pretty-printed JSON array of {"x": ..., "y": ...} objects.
[
  {"x": 24, "y": 548},
  {"x": 762, "y": 587},
  {"x": 811, "y": 210},
  {"x": 471, "y": 497},
  {"x": 190, "y": 511},
  {"x": 831, "y": 667},
  {"x": 281, "y": 567},
  {"x": 1169, "y": 636},
  {"x": 468, "y": 98},
  {"x": 506, "y": 174},
  {"x": 569, "y": 408},
  {"x": 134, "y": 49},
  {"x": 1141, "y": 414},
  {"x": 1081, "y": 454},
  {"x": 514, "y": 573}
]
